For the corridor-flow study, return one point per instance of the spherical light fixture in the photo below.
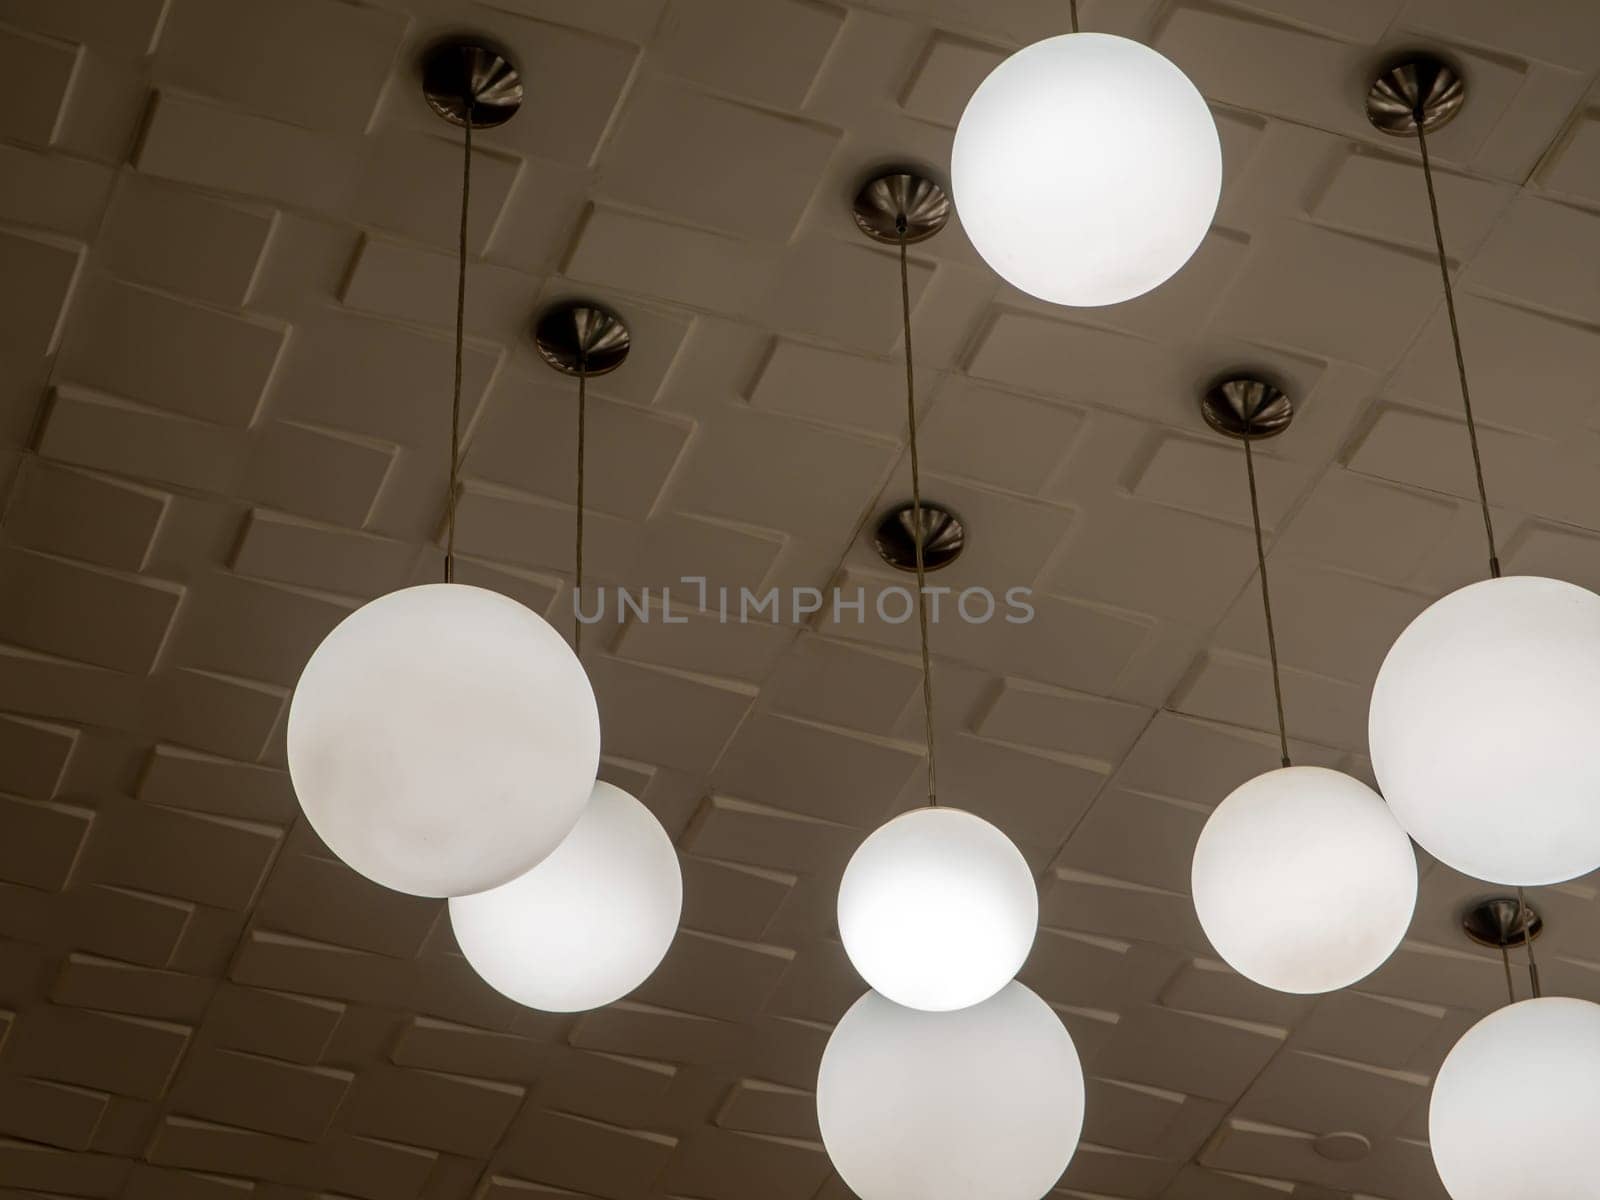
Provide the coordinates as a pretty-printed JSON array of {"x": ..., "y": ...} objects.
[
  {"x": 1482, "y": 730},
  {"x": 1086, "y": 169},
  {"x": 938, "y": 909},
  {"x": 443, "y": 740},
  {"x": 987, "y": 1101},
  {"x": 1513, "y": 1109},
  {"x": 1303, "y": 880},
  {"x": 588, "y": 924}
]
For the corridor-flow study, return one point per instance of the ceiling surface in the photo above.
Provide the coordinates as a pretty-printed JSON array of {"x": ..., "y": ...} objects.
[{"x": 226, "y": 237}]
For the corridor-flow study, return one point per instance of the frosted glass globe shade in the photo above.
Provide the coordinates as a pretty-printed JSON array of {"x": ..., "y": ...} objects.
[
  {"x": 1086, "y": 169},
  {"x": 986, "y": 1101},
  {"x": 1483, "y": 730},
  {"x": 1513, "y": 1109},
  {"x": 938, "y": 909},
  {"x": 1303, "y": 880},
  {"x": 588, "y": 924},
  {"x": 443, "y": 739}
]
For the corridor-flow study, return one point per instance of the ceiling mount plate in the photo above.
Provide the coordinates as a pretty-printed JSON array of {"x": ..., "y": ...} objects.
[
  {"x": 944, "y": 537},
  {"x": 1247, "y": 409},
  {"x": 467, "y": 81},
  {"x": 1498, "y": 924},
  {"x": 885, "y": 199},
  {"x": 1417, "y": 84},
  {"x": 580, "y": 337}
]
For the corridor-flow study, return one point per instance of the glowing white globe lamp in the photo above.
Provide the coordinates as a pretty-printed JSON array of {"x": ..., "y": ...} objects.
[
  {"x": 1513, "y": 1109},
  {"x": 1303, "y": 880},
  {"x": 938, "y": 909},
  {"x": 1086, "y": 169},
  {"x": 1483, "y": 730},
  {"x": 587, "y": 925},
  {"x": 443, "y": 740},
  {"x": 987, "y": 1101}
]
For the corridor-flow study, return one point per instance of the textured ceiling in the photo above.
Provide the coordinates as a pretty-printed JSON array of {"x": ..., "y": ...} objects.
[{"x": 225, "y": 239}]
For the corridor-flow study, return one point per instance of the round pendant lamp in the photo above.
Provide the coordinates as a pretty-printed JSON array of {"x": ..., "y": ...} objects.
[
  {"x": 1086, "y": 169},
  {"x": 986, "y": 1101},
  {"x": 1483, "y": 730},
  {"x": 443, "y": 739},
  {"x": 1303, "y": 880},
  {"x": 1513, "y": 1109},
  {"x": 587, "y": 925},
  {"x": 938, "y": 909}
]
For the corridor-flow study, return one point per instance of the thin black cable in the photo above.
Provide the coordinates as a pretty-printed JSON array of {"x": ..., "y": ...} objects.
[
  {"x": 1505, "y": 961},
  {"x": 1074, "y": 4},
  {"x": 917, "y": 529},
  {"x": 577, "y": 585},
  {"x": 1525, "y": 916},
  {"x": 1266, "y": 599},
  {"x": 1455, "y": 337},
  {"x": 461, "y": 314}
]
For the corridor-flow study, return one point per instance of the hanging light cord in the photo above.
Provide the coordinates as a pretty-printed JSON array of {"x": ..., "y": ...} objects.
[
  {"x": 1455, "y": 336},
  {"x": 1074, "y": 4},
  {"x": 577, "y": 583},
  {"x": 461, "y": 315},
  {"x": 1525, "y": 915},
  {"x": 917, "y": 527},
  {"x": 1266, "y": 599}
]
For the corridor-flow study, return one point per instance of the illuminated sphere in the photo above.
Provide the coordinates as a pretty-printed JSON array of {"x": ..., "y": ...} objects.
[
  {"x": 1513, "y": 1109},
  {"x": 588, "y": 924},
  {"x": 1086, "y": 169},
  {"x": 938, "y": 909},
  {"x": 987, "y": 1101},
  {"x": 1303, "y": 880},
  {"x": 443, "y": 739},
  {"x": 1483, "y": 730}
]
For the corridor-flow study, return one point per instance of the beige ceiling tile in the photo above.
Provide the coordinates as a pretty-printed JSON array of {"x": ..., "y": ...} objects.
[
  {"x": 28, "y": 1165},
  {"x": 129, "y": 925},
  {"x": 721, "y": 1164},
  {"x": 1338, "y": 316},
  {"x": 283, "y": 549},
  {"x": 1210, "y": 478},
  {"x": 630, "y": 1092},
  {"x": 44, "y": 273},
  {"x": 663, "y": 717},
  {"x": 38, "y": 78},
  {"x": 1437, "y": 975},
  {"x": 763, "y": 836},
  {"x": 105, "y": 434},
  {"x": 33, "y": 755},
  {"x": 703, "y": 643},
  {"x": 1238, "y": 691},
  {"x": 89, "y": 615},
  {"x": 1186, "y": 1052},
  {"x": 108, "y": 985},
  {"x": 433, "y": 1045},
  {"x": 1138, "y": 838},
  {"x": 744, "y": 171},
  {"x": 1186, "y": 300},
  {"x": 997, "y": 438},
  {"x": 401, "y": 281},
  {"x": 527, "y": 438},
  {"x": 822, "y": 385},
  {"x": 148, "y": 1182},
  {"x": 252, "y": 1092},
  {"x": 843, "y": 292},
  {"x": 1383, "y": 196},
  {"x": 75, "y": 514},
  {"x": 252, "y": 630},
  {"x": 1204, "y": 985},
  {"x": 576, "y": 1152},
  {"x": 125, "y": 1055},
  {"x": 1363, "y": 20},
  {"x": 1005, "y": 785},
  {"x": 1512, "y": 354},
  {"x": 833, "y": 683},
  {"x": 1354, "y": 1026},
  {"x": 127, "y": 27},
  {"x": 1046, "y": 718},
  {"x": 206, "y": 711},
  {"x": 757, "y": 1106},
  {"x": 51, "y": 191},
  {"x": 731, "y": 899},
  {"x": 275, "y": 1024},
  {"x": 42, "y": 841},
  {"x": 1101, "y": 1171},
  {"x": 815, "y": 770},
  {"x": 51, "y": 1113},
  {"x": 1572, "y": 168},
  {"x": 410, "y": 184},
  {"x": 1095, "y": 973},
  {"x": 1558, "y": 552},
  {"x": 770, "y": 55},
  {"x": 819, "y": 987},
  {"x": 173, "y": 355},
  {"x": 1557, "y": 31},
  {"x": 1365, "y": 526},
  {"x": 338, "y": 56},
  {"x": 693, "y": 267},
  {"x": 179, "y": 240},
  {"x": 948, "y": 71},
  {"x": 762, "y": 470},
  {"x": 1088, "y": 902},
  {"x": 188, "y": 856},
  {"x": 451, "y": 1113},
  {"x": 195, "y": 142},
  {"x": 1529, "y": 256},
  {"x": 324, "y": 899}
]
